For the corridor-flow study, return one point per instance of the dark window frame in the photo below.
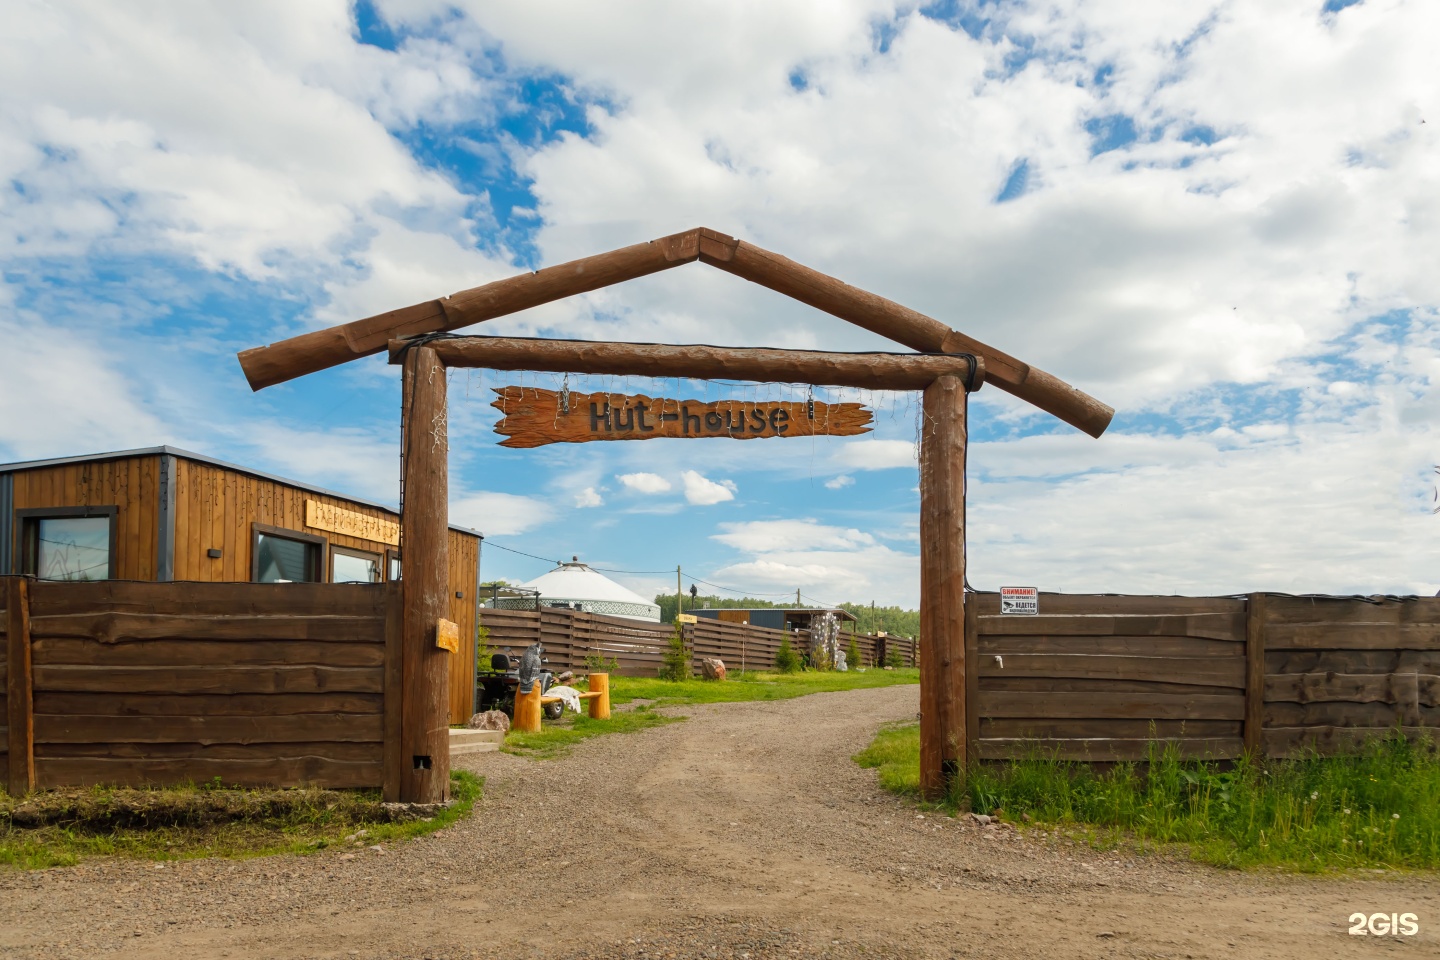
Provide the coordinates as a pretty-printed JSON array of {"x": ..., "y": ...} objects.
[
  {"x": 322, "y": 574},
  {"x": 358, "y": 554},
  {"x": 27, "y": 545},
  {"x": 392, "y": 557}
]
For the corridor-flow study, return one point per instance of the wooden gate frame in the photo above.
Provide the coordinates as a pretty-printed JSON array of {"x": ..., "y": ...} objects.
[{"x": 947, "y": 366}]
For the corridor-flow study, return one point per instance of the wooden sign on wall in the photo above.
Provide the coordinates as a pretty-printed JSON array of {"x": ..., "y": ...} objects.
[{"x": 535, "y": 417}]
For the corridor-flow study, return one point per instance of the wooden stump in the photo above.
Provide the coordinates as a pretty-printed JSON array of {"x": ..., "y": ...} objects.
[
  {"x": 600, "y": 706},
  {"x": 527, "y": 710}
]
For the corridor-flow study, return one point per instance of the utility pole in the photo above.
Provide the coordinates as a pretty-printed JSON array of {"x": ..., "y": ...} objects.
[
  {"x": 797, "y": 596},
  {"x": 678, "y": 591},
  {"x": 872, "y": 617}
]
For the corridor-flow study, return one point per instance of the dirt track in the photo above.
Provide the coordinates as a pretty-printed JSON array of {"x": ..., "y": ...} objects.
[{"x": 744, "y": 832}]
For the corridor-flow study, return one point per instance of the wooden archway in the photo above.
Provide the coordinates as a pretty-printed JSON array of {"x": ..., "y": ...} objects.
[{"x": 946, "y": 367}]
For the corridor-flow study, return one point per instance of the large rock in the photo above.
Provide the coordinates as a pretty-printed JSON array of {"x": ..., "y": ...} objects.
[
  {"x": 490, "y": 720},
  {"x": 712, "y": 668}
]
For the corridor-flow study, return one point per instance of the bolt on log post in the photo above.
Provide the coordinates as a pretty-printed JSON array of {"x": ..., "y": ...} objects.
[
  {"x": 424, "y": 540},
  {"x": 943, "y": 737}
]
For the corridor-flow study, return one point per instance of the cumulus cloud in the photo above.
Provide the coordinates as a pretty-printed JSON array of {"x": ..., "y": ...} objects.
[
  {"x": 840, "y": 482},
  {"x": 703, "y": 491},
  {"x": 498, "y": 514},
  {"x": 644, "y": 482},
  {"x": 589, "y": 497},
  {"x": 876, "y": 455}
]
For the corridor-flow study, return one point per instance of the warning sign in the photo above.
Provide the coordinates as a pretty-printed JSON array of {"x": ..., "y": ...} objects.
[{"x": 1020, "y": 601}]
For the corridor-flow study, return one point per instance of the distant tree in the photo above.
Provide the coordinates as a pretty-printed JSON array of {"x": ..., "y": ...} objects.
[{"x": 852, "y": 654}]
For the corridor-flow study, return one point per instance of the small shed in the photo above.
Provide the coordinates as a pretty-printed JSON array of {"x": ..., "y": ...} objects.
[
  {"x": 776, "y": 618},
  {"x": 166, "y": 514}
]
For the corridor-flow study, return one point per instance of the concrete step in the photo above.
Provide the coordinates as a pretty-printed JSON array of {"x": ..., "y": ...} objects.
[
  {"x": 461, "y": 735},
  {"x": 461, "y": 749},
  {"x": 464, "y": 742}
]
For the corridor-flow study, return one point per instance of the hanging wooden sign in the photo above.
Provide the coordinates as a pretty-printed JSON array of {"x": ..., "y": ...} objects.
[{"x": 535, "y": 417}]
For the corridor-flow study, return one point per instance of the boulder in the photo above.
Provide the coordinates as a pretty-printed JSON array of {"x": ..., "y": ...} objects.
[
  {"x": 712, "y": 668},
  {"x": 567, "y": 677},
  {"x": 490, "y": 720}
]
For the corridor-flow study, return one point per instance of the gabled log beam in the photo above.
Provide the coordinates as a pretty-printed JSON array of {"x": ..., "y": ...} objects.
[
  {"x": 868, "y": 371},
  {"x": 307, "y": 353}
]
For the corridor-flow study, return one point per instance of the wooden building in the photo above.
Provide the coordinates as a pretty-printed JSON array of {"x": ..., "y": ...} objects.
[
  {"x": 164, "y": 514},
  {"x": 776, "y": 618}
]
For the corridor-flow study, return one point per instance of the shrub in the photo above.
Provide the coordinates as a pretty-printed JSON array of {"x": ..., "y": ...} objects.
[
  {"x": 483, "y": 650},
  {"x": 852, "y": 654},
  {"x": 599, "y": 663},
  {"x": 786, "y": 659},
  {"x": 893, "y": 657},
  {"x": 675, "y": 664}
]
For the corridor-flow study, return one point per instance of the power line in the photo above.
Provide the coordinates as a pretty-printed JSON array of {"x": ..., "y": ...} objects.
[{"x": 492, "y": 543}]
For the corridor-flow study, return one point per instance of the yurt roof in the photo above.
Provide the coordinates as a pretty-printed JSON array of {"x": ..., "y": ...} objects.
[{"x": 576, "y": 581}]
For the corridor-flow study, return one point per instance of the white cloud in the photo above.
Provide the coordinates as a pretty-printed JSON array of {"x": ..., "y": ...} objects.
[
  {"x": 702, "y": 491},
  {"x": 644, "y": 482},
  {"x": 589, "y": 497},
  {"x": 498, "y": 514},
  {"x": 830, "y": 564},
  {"x": 840, "y": 482},
  {"x": 768, "y": 536},
  {"x": 876, "y": 455}
]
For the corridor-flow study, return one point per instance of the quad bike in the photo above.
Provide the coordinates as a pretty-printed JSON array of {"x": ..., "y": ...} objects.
[{"x": 495, "y": 687}]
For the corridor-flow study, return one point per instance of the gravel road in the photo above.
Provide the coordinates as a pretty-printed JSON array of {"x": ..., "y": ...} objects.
[{"x": 745, "y": 832}]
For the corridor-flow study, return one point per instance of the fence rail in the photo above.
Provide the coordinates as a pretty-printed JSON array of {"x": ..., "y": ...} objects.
[
  {"x": 1100, "y": 677},
  {"x": 638, "y": 646}
]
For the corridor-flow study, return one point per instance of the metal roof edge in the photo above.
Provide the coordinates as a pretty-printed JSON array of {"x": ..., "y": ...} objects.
[{"x": 166, "y": 450}]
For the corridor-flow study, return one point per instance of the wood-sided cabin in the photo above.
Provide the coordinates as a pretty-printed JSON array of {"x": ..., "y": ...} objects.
[{"x": 164, "y": 514}]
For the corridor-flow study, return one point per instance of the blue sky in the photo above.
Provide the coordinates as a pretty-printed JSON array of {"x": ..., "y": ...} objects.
[{"x": 1220, "y": 220}]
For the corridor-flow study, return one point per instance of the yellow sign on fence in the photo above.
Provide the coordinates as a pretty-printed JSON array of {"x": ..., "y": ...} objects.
[
  {"x": 686, "y": 618},
  {"x": 352, "y": 523}
]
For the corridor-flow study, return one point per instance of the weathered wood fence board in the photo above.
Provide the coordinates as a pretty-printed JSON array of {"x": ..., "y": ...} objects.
[
  {"x": 148, "y": 683},
  {"x": 1100, "y": 677},
  {"x": 1340, "y": 671}
]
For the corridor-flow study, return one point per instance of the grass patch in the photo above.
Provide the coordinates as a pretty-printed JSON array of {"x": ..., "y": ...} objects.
[
  {"x": 63, "y": 827},
  {"x": 557, "y": 737},
  {"x": 1377, "y": 808},
  {"x": 753, "y": 686}
]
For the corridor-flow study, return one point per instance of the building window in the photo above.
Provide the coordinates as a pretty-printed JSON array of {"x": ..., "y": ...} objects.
[
  {"x": 392, "y": 557},
  {"x": 286, "y": 556},
  {"x": 68, "y": 543},
  {"x": 354, "y": 566}
]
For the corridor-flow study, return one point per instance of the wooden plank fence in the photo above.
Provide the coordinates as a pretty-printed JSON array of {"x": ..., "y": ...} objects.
[
  {"x": 133, "y": 683},
  {"x": 638, "y": 646},
  {"x": 1100, "y": 677}
]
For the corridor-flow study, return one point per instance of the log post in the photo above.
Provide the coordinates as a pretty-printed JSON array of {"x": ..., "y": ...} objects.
[
  {"x": 600, "y": 706},
  {"x": 528, "y": 710},
  {"x": 425, "y": 583},
  {"x": 941, "y": 658},
  {"x": 20, "y": 687}
]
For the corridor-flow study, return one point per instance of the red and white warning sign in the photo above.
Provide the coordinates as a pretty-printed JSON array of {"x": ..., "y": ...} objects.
[{"x": 1020, "y": 601}]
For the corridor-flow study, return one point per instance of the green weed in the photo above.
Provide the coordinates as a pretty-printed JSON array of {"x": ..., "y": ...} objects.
[{"x": 1377, "y": 808}]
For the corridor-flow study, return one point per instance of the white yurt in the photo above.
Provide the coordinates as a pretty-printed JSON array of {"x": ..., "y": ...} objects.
[{"x": 576, "y": 586}]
